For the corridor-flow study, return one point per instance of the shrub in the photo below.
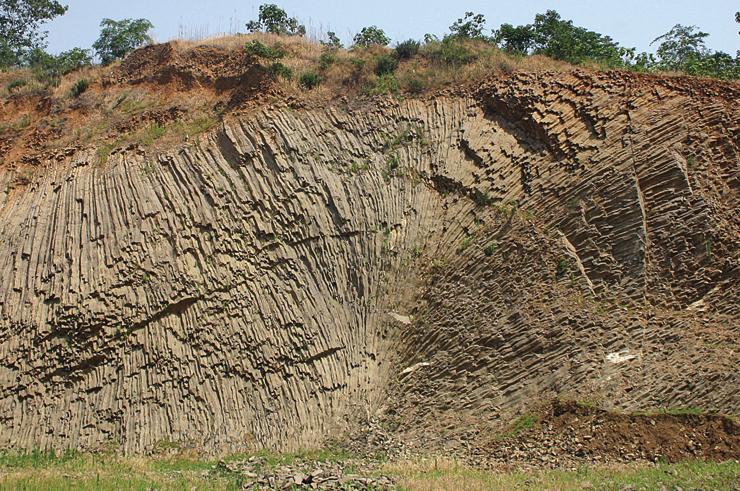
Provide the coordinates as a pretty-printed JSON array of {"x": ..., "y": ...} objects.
[
  {"x": 277, "y": 69},
  {"x": 450, "y": 51},
  {"x": 415, "y": 85},
  {"x": 151, "y": 133},
  {"x": 466, "y": 242},
  {"x": 563, "y": 268},
  {"x": 49, "y": 68},
  {"x": 358, "y": 67},
  {"x": 385, "y": 64},
  {"x": 385, "y": 84},
  {"x": 490, "y": 249},
  {"x": 309, "y": 80},
  {"x": 259, "y": 50},
  {"x": 407, "y": 49},
  {"x": 482, "y": 199},
  {"x": 522, "y": 424},
  {"x": 119, "y": 38},
  {"x": 371, "y": 36},
  {"x": 74, "y": 59},
  {"x": 79, "y": 87},
  {"x": 327, "y": 59},
  {"x": 8, "y": 56},
  {"x": 16, "y": 84},
  {"x": 45, "y": 67},
  {"x": 333, "y": 41}
]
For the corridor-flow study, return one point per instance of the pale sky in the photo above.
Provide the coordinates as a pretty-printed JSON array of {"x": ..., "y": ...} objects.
[{"x": 632, "y": 23}]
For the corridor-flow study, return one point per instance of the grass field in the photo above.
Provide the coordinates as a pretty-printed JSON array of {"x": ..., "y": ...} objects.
[{"x": 72, "y": 471}]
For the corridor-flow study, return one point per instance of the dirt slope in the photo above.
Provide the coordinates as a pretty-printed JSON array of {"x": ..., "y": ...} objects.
[{"x": 447, "y": 260}]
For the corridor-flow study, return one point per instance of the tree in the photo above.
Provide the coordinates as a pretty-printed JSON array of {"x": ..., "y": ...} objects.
[
  {"x": 275, "y": 20},
  {"x": 552, "y": 36},
  {"x": 333, "y": 41},
  {"x": 680, "y": 45},
  {"x": 560, "y": 39},
  {"x": 20, "y": 21},
  {"x": 718, "y": 65},
  {"x": 371, "y": 36},
  {"x": 470, "y": 26},
  {"x": 119, "y": 38},
  {"x": 8, "y": 57},
  {"x": 518, "y": 39},
  {"x": 49, "y": 68},
  {"x": 74, "y": 59}
]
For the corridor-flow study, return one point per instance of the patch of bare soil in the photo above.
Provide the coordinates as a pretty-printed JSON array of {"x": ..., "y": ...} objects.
[
  {"x": 568, "y": 435},
  {"x": 573, "y": 434}
]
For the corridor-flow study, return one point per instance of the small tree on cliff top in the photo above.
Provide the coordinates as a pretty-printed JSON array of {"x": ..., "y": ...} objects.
[
  {"x": 119, "y": 38},
  {"x": 371, "y": 36},
  {"x": 275, "y": 20}
]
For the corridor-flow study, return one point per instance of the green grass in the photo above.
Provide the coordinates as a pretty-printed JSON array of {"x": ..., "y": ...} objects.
[
  {"x": 466, "y": 242},
  {"x": 35, "y": 459},
  {"x": 40, "y": 470},
  {"x": 522, "y": 424},
  {"x": 490, "y": 249},
  {"x": 106, "y": 471},
  {"x": 454, "y": 477},
  {"x": 19, "y": 124},
  {"x": 358, "y": 167},
  {"x": 147, "y": 136},
  {"x": 150, "y": 134}
]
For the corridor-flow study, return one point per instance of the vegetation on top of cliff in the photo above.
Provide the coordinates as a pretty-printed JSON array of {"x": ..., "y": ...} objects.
[
  {"x": 108, "y": 105},
  {"x": 682, "y": 49}
]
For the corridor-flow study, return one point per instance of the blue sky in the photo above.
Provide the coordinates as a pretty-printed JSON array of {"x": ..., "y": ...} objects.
[{"x": 630, "y": 22}]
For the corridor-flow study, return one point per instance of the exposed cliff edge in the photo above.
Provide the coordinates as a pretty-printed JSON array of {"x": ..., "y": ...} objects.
[{"x": 448, "y": 259}]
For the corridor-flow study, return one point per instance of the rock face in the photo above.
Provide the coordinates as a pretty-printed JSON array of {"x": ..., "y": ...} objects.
[{"x": 544, "y": 234}]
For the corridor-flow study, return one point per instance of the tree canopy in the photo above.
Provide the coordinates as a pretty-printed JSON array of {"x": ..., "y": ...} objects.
[
  {"x": 20, "y": 22},
  {"x": 371, "y": 36},
  {"x": 275, "y": 20},
  {"x": 683, "y": 49},
  {"x": 679, "y": 45},
  {"x": 552, "y": 36},
  {"x": 118, "y": 38},
  {"x": 470, "y": 26}
]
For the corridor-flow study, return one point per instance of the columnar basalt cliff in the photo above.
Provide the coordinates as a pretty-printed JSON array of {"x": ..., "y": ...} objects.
[{"x": 451, "y": 258}]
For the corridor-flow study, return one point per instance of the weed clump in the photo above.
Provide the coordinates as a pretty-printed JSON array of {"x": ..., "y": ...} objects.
[
  {"x": 385, "y": 64},
  {"x": 277, "y": 69},
  {"x": 450, "y": 51},
  {"x": 415, "y": 85},
  {"x": 260, "y": 50},
  {"x": 79, "y": 87},
  {"x": 490, "y": 249},
  {"x": 327, "y": 59},
  {"x": 407, "y": 49},
  {"x": 385, "y": 84},
  {"x": 309, "y": 80},
  {"x": 16, "y": 84}
]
